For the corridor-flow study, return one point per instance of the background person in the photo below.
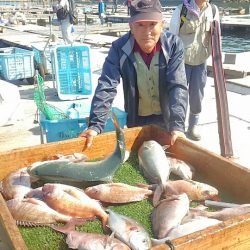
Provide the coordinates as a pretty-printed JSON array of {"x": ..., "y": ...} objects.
[
  {"x": 128, "y": 3},
  {"x": 66, "y": 26},
  {"x": 151, "y": 65},
  {"x": 101, "y": 11},
  {"x": 114, "y": 7},
  {"x": 194, "y": 31}
]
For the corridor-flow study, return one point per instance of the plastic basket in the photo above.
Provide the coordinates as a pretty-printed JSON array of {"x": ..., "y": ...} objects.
[
  {"x": 71, "y": 128},
  {"x": 16, "y": 63},
  {"x": 72, "y": 68}
]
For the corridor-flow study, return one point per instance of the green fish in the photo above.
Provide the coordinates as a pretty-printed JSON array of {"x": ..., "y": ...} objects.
[{"x": 76, "y": 172}]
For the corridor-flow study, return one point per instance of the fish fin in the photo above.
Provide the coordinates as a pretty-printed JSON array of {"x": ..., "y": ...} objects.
[
  {"x": 109, "y": 240},
  {"x": 127, "y": 154},
  {"x": 200, "y": 207},
  {"x": 147, "y": 186},
  {"x": 31, "y": 224},
  {"x": 105, "y": 223},
  {"x": 165, "y": 147},
  {"x": 107, "y": 179},
  {"x": 156, "y": 242},
  {"x": 157, "y": 195},
  {"x": 71, "y": 224}
]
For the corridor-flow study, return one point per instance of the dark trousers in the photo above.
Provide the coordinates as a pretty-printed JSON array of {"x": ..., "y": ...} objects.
[{"x": 196, "y": 79}]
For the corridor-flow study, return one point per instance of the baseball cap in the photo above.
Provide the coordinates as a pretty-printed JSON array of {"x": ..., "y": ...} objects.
[{"x": 145, "y": 10}]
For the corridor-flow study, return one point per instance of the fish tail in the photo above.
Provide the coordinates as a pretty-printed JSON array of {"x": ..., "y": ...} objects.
[
  {"x": 146, "y": 186},
  {"x": 115, "y": 121},
  {"x": 105, "y": 222},
  {"x": 157, "y": 195},
  {"x": 70, "y": 225}
]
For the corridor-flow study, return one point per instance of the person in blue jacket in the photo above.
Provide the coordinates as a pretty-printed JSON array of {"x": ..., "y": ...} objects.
[
  {"x": 101, "y": 11},
  {"x": 150, "y": 62}
]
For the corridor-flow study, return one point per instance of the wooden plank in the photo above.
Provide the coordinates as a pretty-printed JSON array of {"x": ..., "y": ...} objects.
[
  {"x": 224, "y": 174},
  {"x": 9, "y": 233}
]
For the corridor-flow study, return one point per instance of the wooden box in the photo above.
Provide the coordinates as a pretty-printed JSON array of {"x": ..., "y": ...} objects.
[{"x": 224, "y": 174}]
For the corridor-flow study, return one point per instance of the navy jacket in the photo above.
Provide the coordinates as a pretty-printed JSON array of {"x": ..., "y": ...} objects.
[{"x": 120, "y": 63}]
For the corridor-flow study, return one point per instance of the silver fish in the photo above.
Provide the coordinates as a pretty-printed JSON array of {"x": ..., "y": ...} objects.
[
  {"x": 155, "y": 166},
  {"x": 196, "y": 224},
  {"x": 180, "y": 168},
  {"x": 66, "y": 170},
  {"x": 129, "y": 231},
  {"x": 223, "y": 215},
  {"x": 169, "y": 214},
  {"x": 153, "y": 162}
]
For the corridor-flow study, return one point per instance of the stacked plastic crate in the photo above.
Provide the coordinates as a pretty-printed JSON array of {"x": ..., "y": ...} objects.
[
  {"x": 72, "y": 69},
  {"x": 17, "y": 63}
]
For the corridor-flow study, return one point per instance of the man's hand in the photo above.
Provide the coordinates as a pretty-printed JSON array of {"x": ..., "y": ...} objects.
[
  {"x": 89, "y": 134},
  {"x": 174, "y": 135}
]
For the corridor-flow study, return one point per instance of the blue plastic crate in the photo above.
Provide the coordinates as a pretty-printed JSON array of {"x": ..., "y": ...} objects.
[
  {"x": 58, "y": 130},
  {"x": 72, "y": 68},
  {"x": 16, "y": 63}
]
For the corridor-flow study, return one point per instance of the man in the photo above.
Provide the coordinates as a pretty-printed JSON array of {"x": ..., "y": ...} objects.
[
  {"x": 191, "y": 21},
  {"x": 151, "y": 65}
]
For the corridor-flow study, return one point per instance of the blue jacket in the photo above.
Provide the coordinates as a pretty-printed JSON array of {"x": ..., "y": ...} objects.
[
  {"x": 120, "y": 63},
  {"x": 101, "y": 7}
]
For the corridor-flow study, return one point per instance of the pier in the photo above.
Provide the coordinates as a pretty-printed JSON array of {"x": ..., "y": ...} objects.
[
  {"x": 236, "y": 22},
  {"x": 41, "y": 27}
]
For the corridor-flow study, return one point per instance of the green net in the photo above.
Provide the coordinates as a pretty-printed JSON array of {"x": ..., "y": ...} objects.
[{"x": 49, "y": 111}]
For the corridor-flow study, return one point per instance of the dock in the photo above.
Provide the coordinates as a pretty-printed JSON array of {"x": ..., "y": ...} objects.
[{"x": 236, "y": 22}]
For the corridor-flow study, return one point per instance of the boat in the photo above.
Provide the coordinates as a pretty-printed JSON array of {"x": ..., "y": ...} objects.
[
  {"x": 222, "y": 173},
  {"x": 234, "y": 11}
]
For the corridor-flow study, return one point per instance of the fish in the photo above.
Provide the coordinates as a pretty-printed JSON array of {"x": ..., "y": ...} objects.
[
  {"x": 129, "y": 231},
  {"x": 83, "y": 171},
  {"x": 155, "y": 165},
  {"x": 196, "y": 224},
  {"x": 73, "y": 202},
  {"x": 117, "y": 193},
  {"x": 168, "y": 214},
  {"x": 222, "y": 215},
  {"x": 17, "y": 184},
  {"x": 89, "y": 241},
  {"x": 180, "y": 168},
  {"x": 36, "y": 193},
  {"x": 33, "y": 212},
  {"x": 75, "y": 157},
  {"x": 195, "y": 190}
]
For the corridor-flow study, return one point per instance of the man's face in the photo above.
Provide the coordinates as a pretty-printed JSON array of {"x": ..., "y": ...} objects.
[{"x": 146, "y": 34}]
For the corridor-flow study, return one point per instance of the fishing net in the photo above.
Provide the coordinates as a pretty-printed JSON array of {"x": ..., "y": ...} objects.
[{"x": 49, "y": 111}]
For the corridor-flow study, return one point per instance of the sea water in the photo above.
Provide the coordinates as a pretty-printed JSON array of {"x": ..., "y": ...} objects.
[{"x": 235, "y": 42}]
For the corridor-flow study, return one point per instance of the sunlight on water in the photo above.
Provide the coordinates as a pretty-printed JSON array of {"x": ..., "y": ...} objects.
[{"x": 235, "y": 42}]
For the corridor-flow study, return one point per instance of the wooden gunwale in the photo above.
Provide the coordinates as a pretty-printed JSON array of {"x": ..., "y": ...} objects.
[{"x": 221, "y": 172}]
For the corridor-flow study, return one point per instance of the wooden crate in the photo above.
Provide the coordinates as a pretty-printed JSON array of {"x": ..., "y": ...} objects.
[{"x": 218, "y": 171}]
